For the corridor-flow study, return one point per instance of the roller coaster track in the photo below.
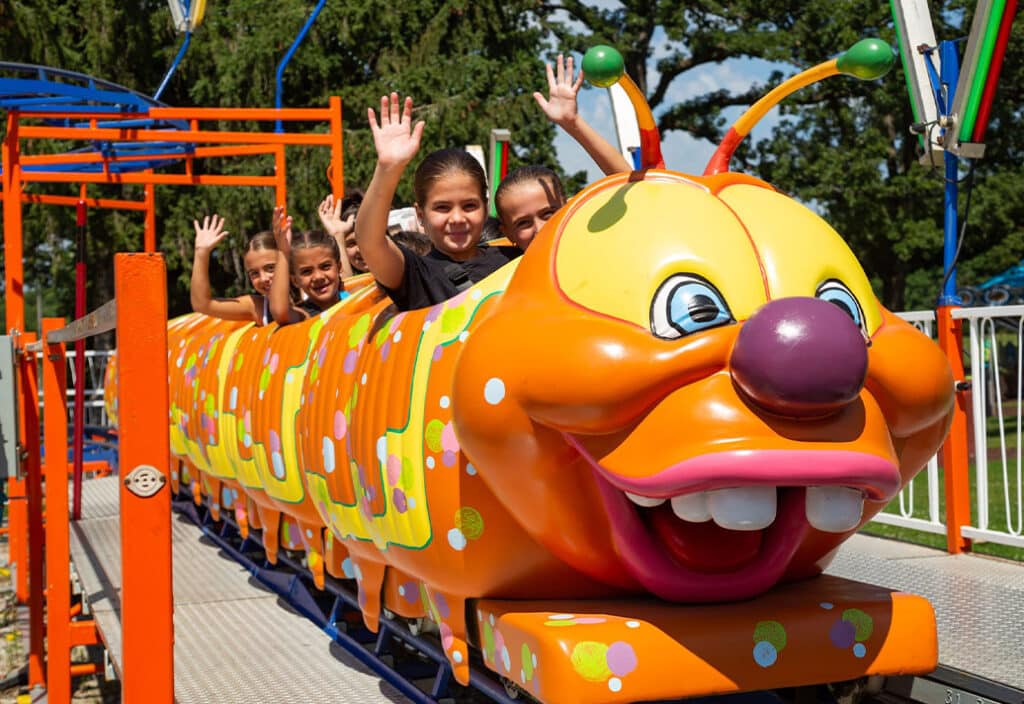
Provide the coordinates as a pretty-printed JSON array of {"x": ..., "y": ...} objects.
[
  {"x": 46, "y": 91},
  {"x": 408, "y": 656}
]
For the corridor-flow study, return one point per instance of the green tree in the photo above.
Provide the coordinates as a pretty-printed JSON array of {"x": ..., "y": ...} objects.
[{"x": 470, "y": 66}]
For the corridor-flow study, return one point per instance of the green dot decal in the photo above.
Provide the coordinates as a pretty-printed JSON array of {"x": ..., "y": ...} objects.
[
  {"x": 861, "y": 622},
  {"x": 432, "y": 435},
  {"x": 772, "y": 632},
  {"x": 357, "y": 331},
  {"x": 451, "y": 320}
]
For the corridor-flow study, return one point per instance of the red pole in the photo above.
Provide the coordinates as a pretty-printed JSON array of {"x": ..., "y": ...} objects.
[
  {"x": 79, "y": 418},
  {"x": 29, "y": 392}
]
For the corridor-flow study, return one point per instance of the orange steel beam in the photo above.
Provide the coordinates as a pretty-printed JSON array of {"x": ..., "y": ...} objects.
[
  {"x": 13, "y": 274},
  {"x": 163, "y": 179},
  {"x": 280, "y": 178},
  {"x": 147, "y": 662},
  {"x": 83, "y": 632},
  {"x": 58, "y": 547},
  {"x": 192, "y": 113},
  {"x": 336, "y": 174},
  {"x": 28, "y": 386},
  {"x": 84, "y": 668},
  {"x": 198, "y": 153},
  {"x": 149, "y": 227},
  {"x": 956, "y": 471},
  {"x": 201, "y": 136},
  {"x": 111, "y": 203}
]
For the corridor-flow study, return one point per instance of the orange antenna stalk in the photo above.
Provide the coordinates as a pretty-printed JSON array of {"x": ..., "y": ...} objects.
[{"x": 867, "y": 60}]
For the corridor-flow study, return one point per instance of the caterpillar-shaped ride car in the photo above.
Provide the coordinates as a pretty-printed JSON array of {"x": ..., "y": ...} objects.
[{"x": 609, "y": 467}]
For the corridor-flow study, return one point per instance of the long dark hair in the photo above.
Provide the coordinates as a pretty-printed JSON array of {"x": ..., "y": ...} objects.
[{"x": 443, "y": 162}]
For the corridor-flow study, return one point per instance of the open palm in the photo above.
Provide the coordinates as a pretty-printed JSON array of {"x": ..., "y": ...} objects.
[
  {"x": 560, "y": 106},
  {"x": 396, "y": 138}
]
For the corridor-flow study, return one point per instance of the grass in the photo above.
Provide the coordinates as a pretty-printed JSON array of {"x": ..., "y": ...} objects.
[{"x": 997, "y": 510}]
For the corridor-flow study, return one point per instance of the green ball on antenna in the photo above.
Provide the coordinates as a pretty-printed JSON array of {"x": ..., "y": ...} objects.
[
  {"x": 603, "y": 65},
  {"x": 867, "y": 60}
]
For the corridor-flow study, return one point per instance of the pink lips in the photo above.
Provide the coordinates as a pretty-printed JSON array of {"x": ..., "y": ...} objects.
[
  {"x": 876, "y": 476},
  {"x": 652, "y": 565}
]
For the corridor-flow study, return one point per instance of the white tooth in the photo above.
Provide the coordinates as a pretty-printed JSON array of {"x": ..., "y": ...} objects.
[
  {"x": 834, "y": 509},
  {"x": 645, "y": 501},
  {"x": 692, "y": 507},
  {"x": 743, "y": 508}
]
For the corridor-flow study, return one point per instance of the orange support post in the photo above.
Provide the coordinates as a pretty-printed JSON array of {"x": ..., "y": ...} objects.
[
  {"x": 58, "y": 542},
  {"x": 149, "y": 231},
  {"x": 147, "y": 662},
  {"x": 955, "y": 467},
  {"x": 28, "y": 383},
  {"x": 280, "y": 179},
  {"x": 17, "y": 517},
  {"x": 336, "y": 173}
]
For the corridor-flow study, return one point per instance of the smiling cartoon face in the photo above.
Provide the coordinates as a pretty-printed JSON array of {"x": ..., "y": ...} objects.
[{"x": 701, "y": 394}]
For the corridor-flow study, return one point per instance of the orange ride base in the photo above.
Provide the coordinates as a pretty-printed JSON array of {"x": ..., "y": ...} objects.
[{"x": 817, "y": 631}]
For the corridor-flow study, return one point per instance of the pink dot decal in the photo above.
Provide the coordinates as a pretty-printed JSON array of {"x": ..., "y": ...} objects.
[
  {"x": 274, "y": 362},
  {"x": 340, "y": 425},
  {"x": 449, "y": 443},
  {"x": 394, "y": 469},
  {"x": 275, "y": 442},
  {"x": 350, "y": 362},
  {"x": 621, "y": 658}
]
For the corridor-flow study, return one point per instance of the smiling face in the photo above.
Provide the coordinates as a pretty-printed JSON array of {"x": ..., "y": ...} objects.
[
  {"x": 355, "y": 257},
  {"x": 524, "y": 209},
  {"x": 453, "y": 214},
  {"x": 715, "y": 419},
  {"x": 259, "y": 267},
  {"x": 315, "y": 271}
]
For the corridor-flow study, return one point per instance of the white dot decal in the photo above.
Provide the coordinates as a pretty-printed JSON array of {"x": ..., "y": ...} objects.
[
  {"x": 494, "y": 391},
  {"x": 615, "y": 684},
  {"x": 398, "y": 336},
  {"x": 445, "y": 402}
]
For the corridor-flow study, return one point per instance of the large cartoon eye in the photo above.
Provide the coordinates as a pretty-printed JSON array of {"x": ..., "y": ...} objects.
[
  {"x": 685, "y": 304},
  {"x": 836, "y": 292}
]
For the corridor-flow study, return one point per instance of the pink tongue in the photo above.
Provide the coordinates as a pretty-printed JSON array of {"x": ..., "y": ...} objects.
[{"x": 705, "y": 547}]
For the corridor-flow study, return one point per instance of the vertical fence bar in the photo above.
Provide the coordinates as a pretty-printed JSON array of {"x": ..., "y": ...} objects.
[
  {"x": 280, "y": 178},
  {"x": 149, "y": 230},
  {"x": 58, "y": 541},
  {"x": 78, "y": 418},
  {"x": 140, "y": 286},
  {"x": 28, "y": 382},
  {"x": 955, "y": 448}
]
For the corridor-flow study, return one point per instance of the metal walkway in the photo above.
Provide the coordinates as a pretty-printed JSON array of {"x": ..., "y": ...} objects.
[
  {"x": 978, "y": 601},
  {"x": 235, "y": 641}
]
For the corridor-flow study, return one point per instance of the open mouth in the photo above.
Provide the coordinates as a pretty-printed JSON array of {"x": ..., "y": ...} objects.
[{"x": 726, "y": 525}]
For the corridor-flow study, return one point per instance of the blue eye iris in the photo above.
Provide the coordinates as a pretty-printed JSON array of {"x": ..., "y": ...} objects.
[
  {"x": 837, "y": 293},
  {"x": 685, "y": 304}
]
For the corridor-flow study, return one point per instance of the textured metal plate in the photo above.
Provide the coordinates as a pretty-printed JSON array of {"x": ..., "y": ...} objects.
[
  {"x": 234, "y": 641},
  {"x": 978, "y": 601}
]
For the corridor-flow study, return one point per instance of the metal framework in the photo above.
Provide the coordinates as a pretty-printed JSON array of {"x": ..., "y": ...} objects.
[{"x": 119, "y": 137}]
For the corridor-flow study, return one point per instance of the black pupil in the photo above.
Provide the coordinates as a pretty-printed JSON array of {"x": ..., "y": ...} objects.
[
  {"x": 702, "y": 309},
  {"x": 845, "y": 308}
]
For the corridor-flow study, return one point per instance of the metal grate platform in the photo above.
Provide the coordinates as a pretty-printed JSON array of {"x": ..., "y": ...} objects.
[
  {"x": 235, "y": 641},
  {"x": 978, "y": 601}
]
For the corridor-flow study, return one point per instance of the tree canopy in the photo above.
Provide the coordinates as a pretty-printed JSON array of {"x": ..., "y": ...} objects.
[{"x": 841, "y": 146}]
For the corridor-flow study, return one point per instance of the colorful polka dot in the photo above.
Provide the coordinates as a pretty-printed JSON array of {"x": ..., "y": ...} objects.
[
  {"x": 457, "y": 539},
  {"x": 765, "y": 654},
  {"x": 589, "y": 659},
  {"x": 494, "y": 391}
]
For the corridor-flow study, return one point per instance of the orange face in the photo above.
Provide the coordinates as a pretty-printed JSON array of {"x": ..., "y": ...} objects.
[{"x": 690, "y": 389}]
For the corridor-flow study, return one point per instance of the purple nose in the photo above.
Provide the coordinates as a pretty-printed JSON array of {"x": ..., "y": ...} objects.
[{"x": 800, "y": 357}]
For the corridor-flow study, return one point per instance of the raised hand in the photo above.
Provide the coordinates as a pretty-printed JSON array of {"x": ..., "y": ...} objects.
[
  {"x": 396, "y": 138},
  {"x": 210, "y": 233},
  {"x": 282, "y": 228},
  {"x": 329, "y": 211},
  {"x": 560, "y": 106}
]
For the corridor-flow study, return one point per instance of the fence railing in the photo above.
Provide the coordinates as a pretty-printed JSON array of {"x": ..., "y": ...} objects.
[
  {"x": 994, "y": 363},
  {"x": 146, "y": 603}
]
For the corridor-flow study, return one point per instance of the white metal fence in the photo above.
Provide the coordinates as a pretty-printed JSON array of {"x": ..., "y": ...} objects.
[
  {"x": 95, "y": 371},
  {"x": 994, "y": 365}
]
